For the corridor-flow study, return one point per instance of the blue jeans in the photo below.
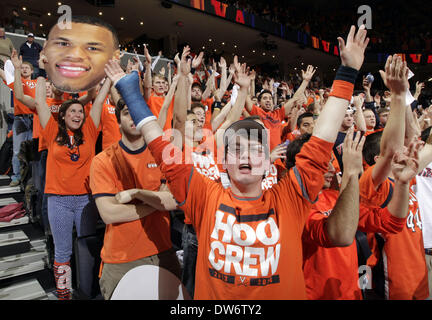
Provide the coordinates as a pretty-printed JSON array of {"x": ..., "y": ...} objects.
[
  {"x": 22, "y": 131},
  {"x": 190, "y": 250}
]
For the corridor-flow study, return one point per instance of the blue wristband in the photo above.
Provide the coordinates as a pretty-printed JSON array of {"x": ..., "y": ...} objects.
[{"x": 128, "y": 87}]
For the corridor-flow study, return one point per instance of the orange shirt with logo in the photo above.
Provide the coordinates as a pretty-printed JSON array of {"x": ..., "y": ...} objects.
[
  {"x": 130, "y": 241},
  {"x": 68, "y": 169},
  {"x": 29, "y": 88},
  {"x": 331, "y": 273},
  {"x": 273, "y": 122},
  {"x": 249, "y": 248},
  {"x": 405, "y": 269},
  {"x": 54, "y": 106}
]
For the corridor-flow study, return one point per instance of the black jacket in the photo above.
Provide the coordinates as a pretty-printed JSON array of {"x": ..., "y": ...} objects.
[{"x": 30, "y": 54}]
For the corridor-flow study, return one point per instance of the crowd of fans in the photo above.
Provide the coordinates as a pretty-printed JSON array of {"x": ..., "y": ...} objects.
[
  {"x": 282, "y": 214},
  {"x": 400, "y": 26}
]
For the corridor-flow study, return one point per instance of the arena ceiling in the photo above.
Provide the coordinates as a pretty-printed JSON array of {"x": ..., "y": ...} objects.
[{"x": 149, "y": 17}]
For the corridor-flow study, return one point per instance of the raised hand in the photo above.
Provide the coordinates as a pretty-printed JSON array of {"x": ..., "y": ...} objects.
[
  {"x": 395, "y": 76},
  {"x": 358, "y": 101},
  {"x": 185, "y": 63},
  {"x": 42, "y": 60},
  {"x": 308, "y": 74},
  {"x": 419, "y": 87},
  {"x": 197, "y": 60},
  {"x": 222, "y": 63},
  {"x": 241, "y": 76},
  {"x": 366, "y": 84},
  {"x": 16, "y": 60},
  {"x": 352, "y": 157},
  {"x": 352, "y": 53},
  {"x": 148, "y": 59},
  {"x": 405, "y": 162},
  {"x": 279, "y": 152},
  {"x": 113, "y": 71}
]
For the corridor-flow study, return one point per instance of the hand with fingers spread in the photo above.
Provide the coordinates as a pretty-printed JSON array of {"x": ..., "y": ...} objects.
[
  {"x": 352, "y": 52},
  {"x": 419, "y": 87},
  {"x": 114, "y": 71},
  {"x": 279, "y": 152},
  {"x": 395, "y": 76},
  {"x": 241, "y": 76},
  {"x": 308, "y": 74},
  {"x": 352, "y": 157},
  {"x": 405, "y": 162}
]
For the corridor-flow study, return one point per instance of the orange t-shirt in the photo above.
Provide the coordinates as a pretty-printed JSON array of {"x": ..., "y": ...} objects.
[
  {"x": 130, "y": 241},
  {"x": 29, "y": 88},
  {"x": 403, "y": 254},
  {"x": 109, "y": 125},
  {"x": 68, "y": 169},
  {"x": 54, "y": 106},
  {"x": 155, "y": 103},
  {"x": 273, "y": 122},
  {"x": 249, "y": 248},
  {"x": 330, "y": 272}
]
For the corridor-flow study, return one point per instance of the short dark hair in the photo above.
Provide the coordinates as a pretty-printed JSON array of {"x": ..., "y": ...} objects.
[
  {"x": 294, "y": 148},
  {"x": 119, "y": 107},
  {"x": 262, "y": 93},
  {"x": 425, "y": 134},
  {"x": 197, "y": 84},
  {"x": 95, "y": 21},
  {"x": 302, "y": 116},
  {"x": 197, "y": 105},
  {"x": 371, "y": 148}
]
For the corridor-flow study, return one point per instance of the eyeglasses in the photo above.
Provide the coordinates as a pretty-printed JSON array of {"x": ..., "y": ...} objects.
[{"x": 256, "y": 150}]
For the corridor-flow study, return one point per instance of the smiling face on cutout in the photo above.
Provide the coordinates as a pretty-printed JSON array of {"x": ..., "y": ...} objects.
[{"x": 77, "y": 56}]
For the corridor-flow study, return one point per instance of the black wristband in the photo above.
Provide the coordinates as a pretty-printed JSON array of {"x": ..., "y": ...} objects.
[
  {"x": 347, "y": 74},
  {"x": 42, "y": 73},
  {"x": 193, "y": 70}
]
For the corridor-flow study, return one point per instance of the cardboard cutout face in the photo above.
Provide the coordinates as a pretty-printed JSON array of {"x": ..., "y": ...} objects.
[{"x": 77, "y": 56}]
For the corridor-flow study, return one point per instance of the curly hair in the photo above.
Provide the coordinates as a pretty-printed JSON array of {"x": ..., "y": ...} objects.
[{"x": 62, "y": 136}]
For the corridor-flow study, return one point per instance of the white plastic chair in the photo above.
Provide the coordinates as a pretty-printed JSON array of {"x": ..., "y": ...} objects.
[{"x": 150, "y": 283}]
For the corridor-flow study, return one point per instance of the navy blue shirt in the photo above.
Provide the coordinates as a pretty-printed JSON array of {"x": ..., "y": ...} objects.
[{"x": 31, "y": 54}]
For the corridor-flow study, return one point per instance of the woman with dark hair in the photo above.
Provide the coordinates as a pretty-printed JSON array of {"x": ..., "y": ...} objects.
[{"x": 71, "y": 144}]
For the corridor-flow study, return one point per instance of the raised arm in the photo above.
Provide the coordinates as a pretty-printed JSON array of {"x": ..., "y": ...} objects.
[
  {"x": 404, "y": 166},
  {"x": 396, "y": 79},
  {"x": 242, "y": 78},
  {"x": 96, "y": 110},
  {"x": 358, "y": 114},
  {"x": 182, "y": 98},
  {"x": 147, "y": 83},
  {"x": 43, "y": 111},
  {"x": 18, "y": 86},
  {"x": 352, "y": 56},
  {"x": 167, "y": 101},
  {"x": 341, "y": 225}
]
